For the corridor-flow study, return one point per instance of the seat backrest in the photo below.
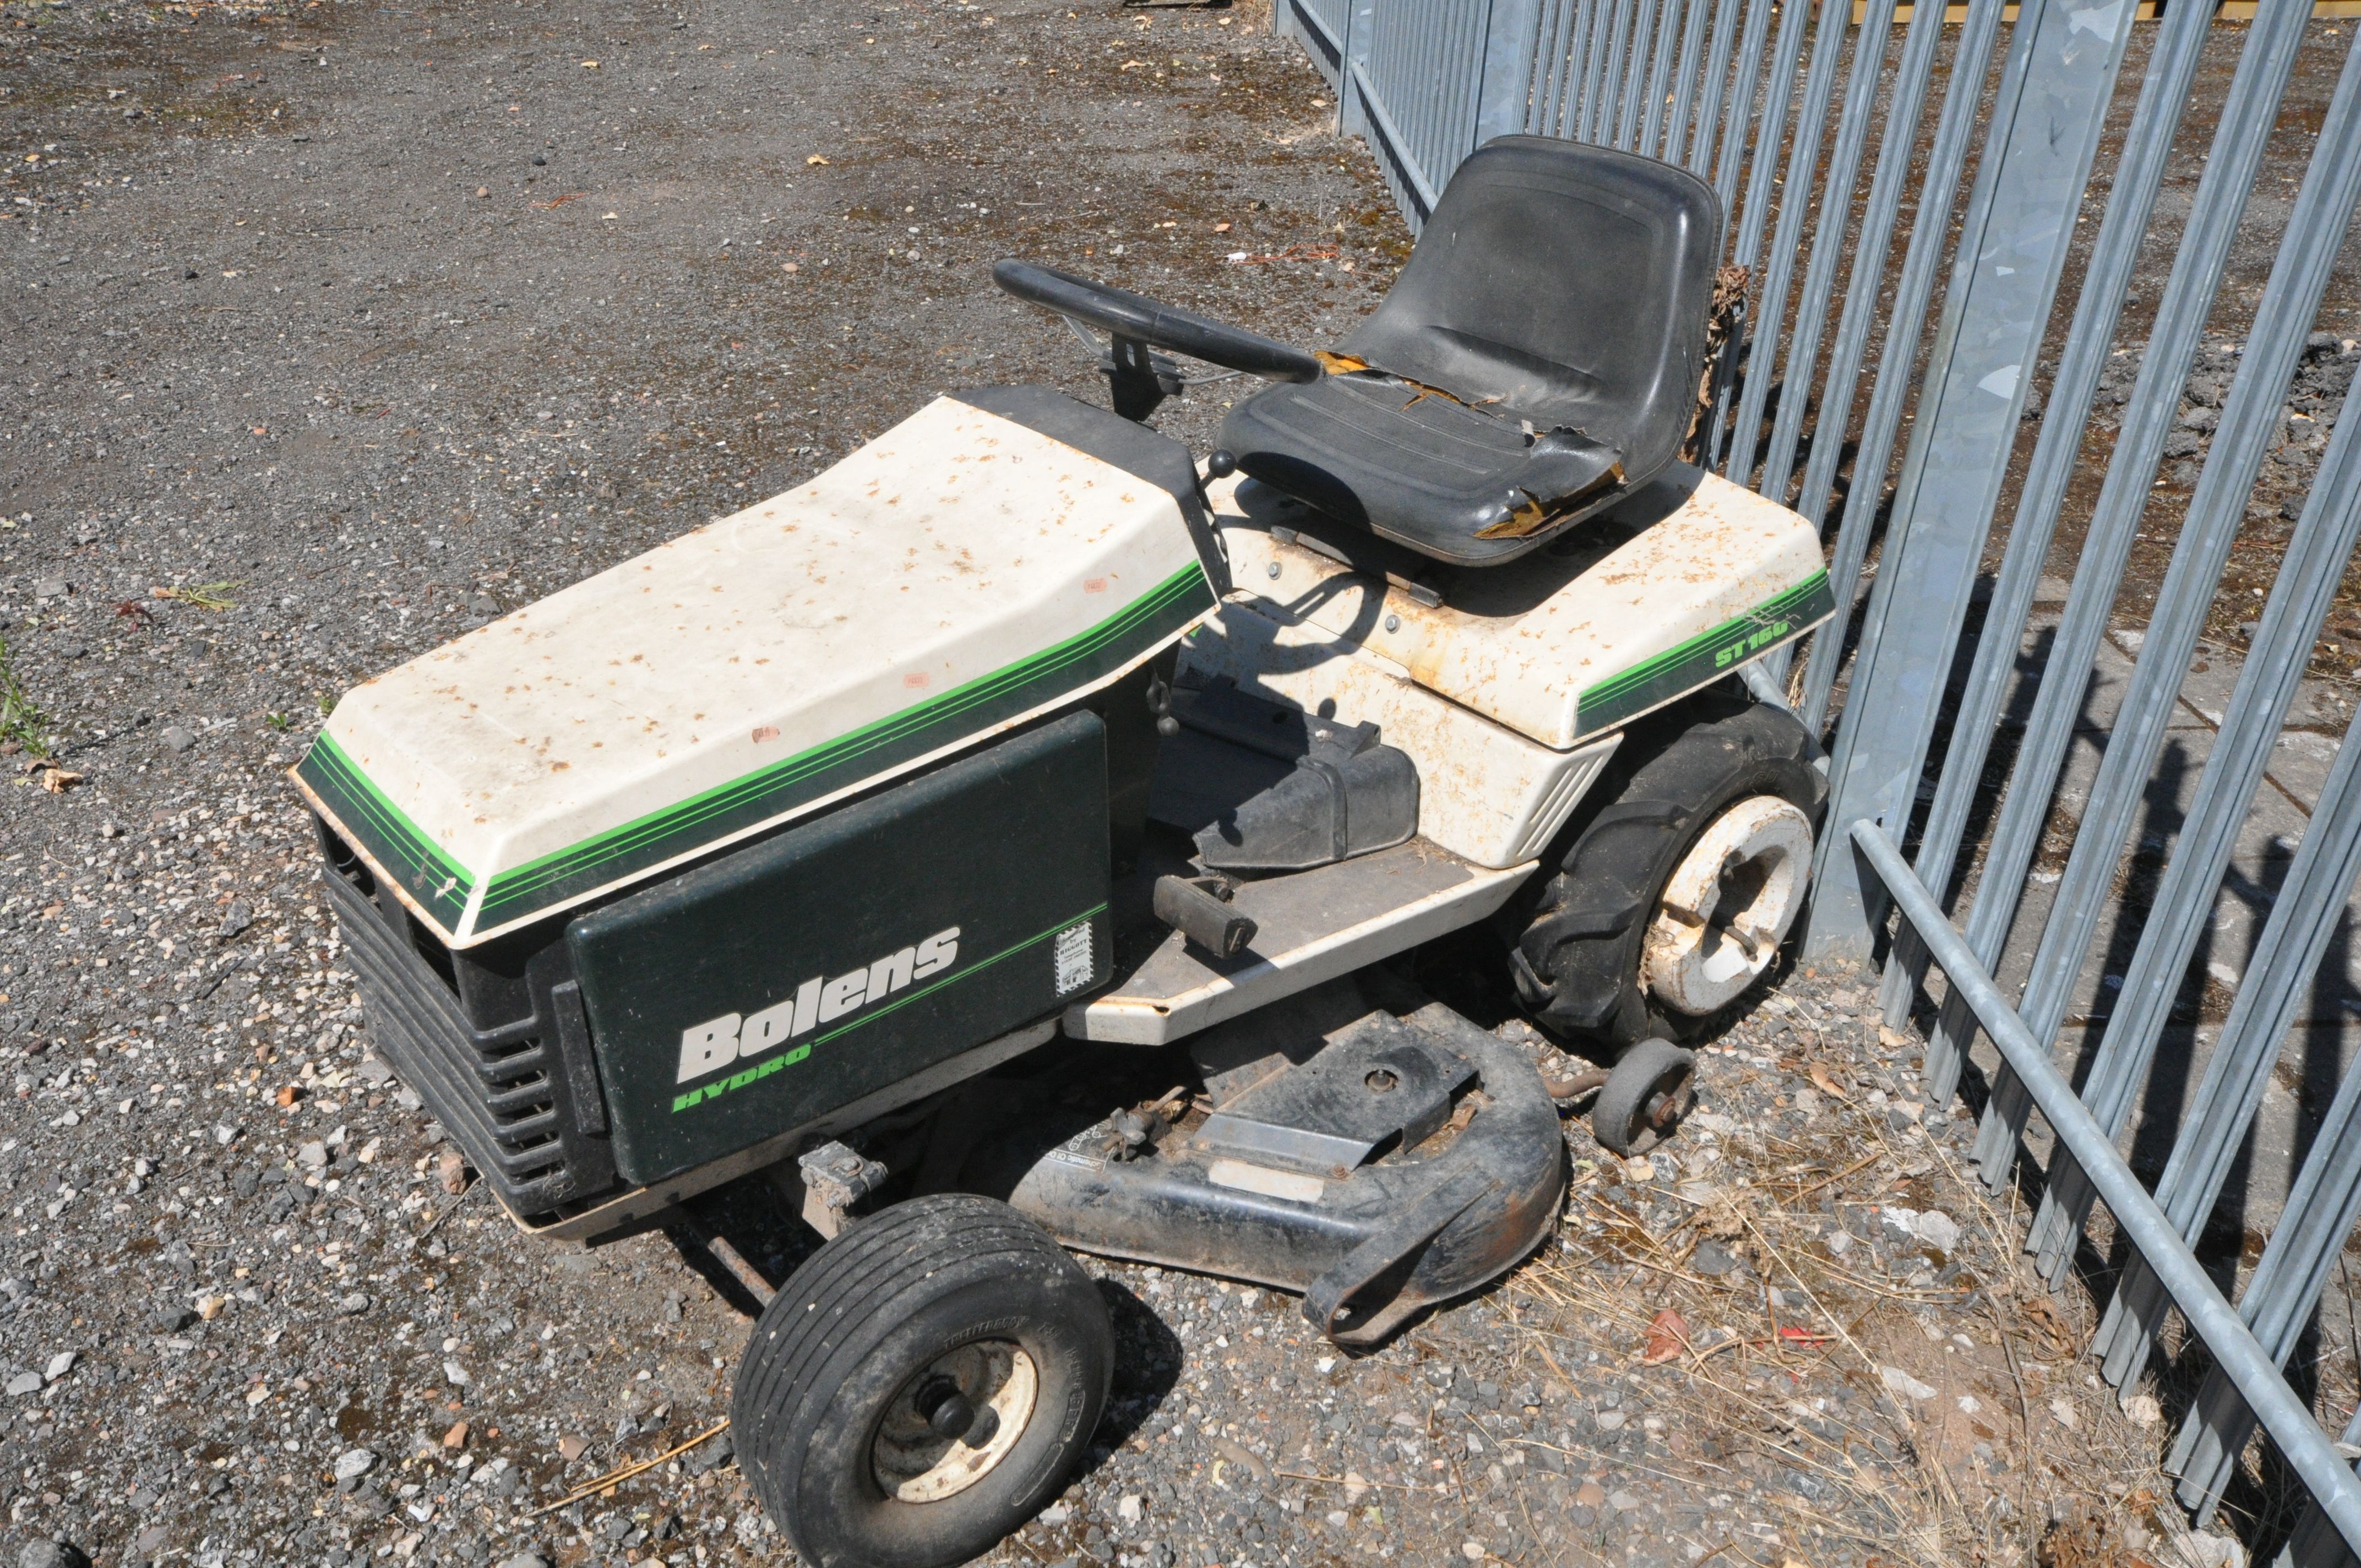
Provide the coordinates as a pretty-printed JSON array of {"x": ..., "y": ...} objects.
[{"x": 1563, "y": 284}]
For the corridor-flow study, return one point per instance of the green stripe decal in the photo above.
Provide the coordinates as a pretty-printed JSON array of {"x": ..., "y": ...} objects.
[
  {"x": 440, "y": 885},
  {"x": 443, "y": 886},
  {"x": 1702, "y": 658},
  {"x": 1085, "y": 657},
  {"x": 706, "y": 1092}
]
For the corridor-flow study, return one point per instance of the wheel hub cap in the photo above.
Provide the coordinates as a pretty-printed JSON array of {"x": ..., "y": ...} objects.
[
  {"x": 1727, "y": 905},
  {"x": 916, "y": 1462}
]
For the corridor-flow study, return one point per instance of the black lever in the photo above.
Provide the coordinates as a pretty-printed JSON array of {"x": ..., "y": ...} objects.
[
  {"x": 1160, "y": 703},
  {"x": 1199, "y": 909}
]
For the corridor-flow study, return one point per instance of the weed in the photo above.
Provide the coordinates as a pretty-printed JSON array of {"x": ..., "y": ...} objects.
[
  {"x": 203, "y": 596},
  {"x": 276, "y": 720},
  {"x": 21, "y": 720}
]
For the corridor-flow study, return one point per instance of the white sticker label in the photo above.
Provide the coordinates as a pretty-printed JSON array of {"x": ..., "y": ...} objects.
[{"x": 1071, "y": 951}]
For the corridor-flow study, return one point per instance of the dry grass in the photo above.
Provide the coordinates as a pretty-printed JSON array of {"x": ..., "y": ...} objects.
[
  {"x": 201, "y": 596},
  {"x": 1936, "y": 1411}
]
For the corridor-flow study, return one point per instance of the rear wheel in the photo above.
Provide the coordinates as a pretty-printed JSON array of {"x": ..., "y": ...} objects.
[
  {"x": 1727, "y": 905},
  {"x": 923, "y": 1384},
  {"x": 1680, "y": 879}
]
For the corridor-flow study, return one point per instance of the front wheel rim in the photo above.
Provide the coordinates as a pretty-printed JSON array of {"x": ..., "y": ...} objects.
[{"x": 912, "y": 1463}]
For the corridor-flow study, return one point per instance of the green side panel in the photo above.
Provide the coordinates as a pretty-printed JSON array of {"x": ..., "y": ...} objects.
[
  {"x": 742, "y": 999},
  {"x": 440, "y": 885},
  {"x": 1114, "y": 644},
  {"x": 1702, "y": 658}
]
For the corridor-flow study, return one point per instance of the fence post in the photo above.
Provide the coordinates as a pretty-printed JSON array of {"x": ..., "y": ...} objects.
[
  {"x": 1512, "y": 38},
  {"x": 2208, "y": 528},
  {"x": 2036, "y": 165},
  {"x": 1320, "y": 36},
  {"x": 1360, "y": 22},
  {"x": 2107, "y": 281}
]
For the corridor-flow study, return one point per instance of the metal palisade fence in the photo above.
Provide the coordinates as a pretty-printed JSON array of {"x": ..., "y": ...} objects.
[{"x": 1909, "y": 194}]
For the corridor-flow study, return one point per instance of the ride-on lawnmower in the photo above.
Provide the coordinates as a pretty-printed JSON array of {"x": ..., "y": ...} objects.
[{"x": 999, "y": 837}]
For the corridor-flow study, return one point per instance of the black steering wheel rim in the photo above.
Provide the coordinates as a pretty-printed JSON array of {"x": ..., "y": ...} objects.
[{"x": 1123, "y": 314}]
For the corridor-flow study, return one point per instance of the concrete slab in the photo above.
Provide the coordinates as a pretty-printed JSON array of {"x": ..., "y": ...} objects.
[{"x": 2299, "y": 765}]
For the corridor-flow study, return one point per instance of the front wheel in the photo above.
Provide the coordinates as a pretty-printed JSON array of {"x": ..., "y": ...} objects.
[
  {"x": 1651, "y": 1089},
  {"x": 923, "y": 1385}
]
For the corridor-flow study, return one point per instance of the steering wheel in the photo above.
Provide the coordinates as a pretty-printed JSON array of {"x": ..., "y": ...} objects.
[{"x": 1137, "y": 321}]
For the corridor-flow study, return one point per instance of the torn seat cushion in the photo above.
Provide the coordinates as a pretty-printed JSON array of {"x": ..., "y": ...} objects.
[
  {"x": 1415, "y": 467},
  {"x": 1539, "y": 356}
]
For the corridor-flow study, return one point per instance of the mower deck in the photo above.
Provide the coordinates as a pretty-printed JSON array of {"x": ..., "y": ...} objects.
[{"x": 1357, "y": 1143}]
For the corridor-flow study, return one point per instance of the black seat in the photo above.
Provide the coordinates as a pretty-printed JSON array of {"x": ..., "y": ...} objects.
[{"x": 1537, "y": 359}]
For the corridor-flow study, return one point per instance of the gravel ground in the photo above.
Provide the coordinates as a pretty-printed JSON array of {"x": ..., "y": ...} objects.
[
  {"x": 333, "y": 330},
  {"x": 1788, "y": 1333}
]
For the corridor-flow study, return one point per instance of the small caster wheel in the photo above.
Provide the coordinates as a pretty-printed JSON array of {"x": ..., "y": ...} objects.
[
  {"x": 1649, "y": 1091},
  {"x": 923, "y": 1385}
]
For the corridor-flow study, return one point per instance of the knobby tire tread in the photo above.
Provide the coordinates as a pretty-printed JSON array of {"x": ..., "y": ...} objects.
[{"x": 1575, "y": 960}]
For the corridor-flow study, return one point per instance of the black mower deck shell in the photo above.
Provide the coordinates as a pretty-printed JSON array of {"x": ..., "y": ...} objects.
[{"x": 1369, "y": 1243}]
